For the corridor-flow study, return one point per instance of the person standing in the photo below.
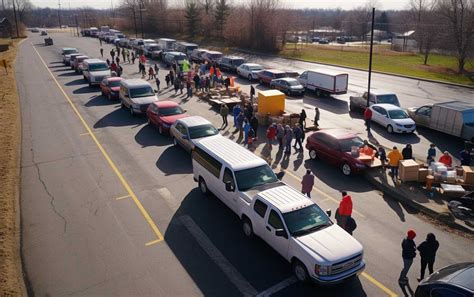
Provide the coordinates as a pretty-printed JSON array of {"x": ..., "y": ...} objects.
[
  {"x": 224, "y": 112},
  {"x": 252, "y": 93},
  {"x": 102, "y": 52},
  {"x": 280, "y": 134},
  {"x": 240, "y": 124},
  {"x": 246, "y": 131},
  {"x": 128, "y": 56},
  {"x": 307, "y": 183},
  {"x": 368, "y": 118},
  {"x": 431, "y": 154},
  {"x": 345, "y": 210},
  {"x": 113, "y": 67},
  {"x": 302, "y": 119},
  {"x": 167, "y": 80},
  {"x": 254, "y": 124},
  {"x": 408, "y": 254},
  {"x": 151, "y": 73},
  {"x": 189, "y": 90},
  {"x": 176, "y": 84},
  {"x": 100, "y": 40},
  {"x": 236, "y": 112},
  {"x": 181, "y": 86},
  {"x": 298, "y": 133},
  {"x": 124, "y": 55},
  {"x": 288, "y": 138},
  {"x": 271, "y": 134},
  {"x": 394, "y": 158},
  {"x": 428, "y": 249},
  {"x": 117, "y": 60},
  {"x": 382, "y": 156},
  {"x": 446, "y": 159},
  {"x": 465, "y": 157},
  {"x": 316, "y": 117},
  {"x": 157, "y": 80},
  {"x": 133, "y": 57},
  {"x": 197, "y": 82},
  {"x": 407, "y": 152}
]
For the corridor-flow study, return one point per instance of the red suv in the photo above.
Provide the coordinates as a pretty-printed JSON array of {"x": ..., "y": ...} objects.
[
  {"x": 266, "y": 76},
  {"x": 110, "y": 87},
  {"x": 163, "y": 114},
  {"x": 334, "y": 146}
]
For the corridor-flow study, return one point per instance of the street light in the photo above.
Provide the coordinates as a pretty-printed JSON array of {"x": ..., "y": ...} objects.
[
  {"x": 371, "y": 51},
  {"x": 141, "y": 7}
]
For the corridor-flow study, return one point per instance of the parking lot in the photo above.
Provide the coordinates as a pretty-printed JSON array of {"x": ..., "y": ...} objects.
[{"x": 109, "y": 206}]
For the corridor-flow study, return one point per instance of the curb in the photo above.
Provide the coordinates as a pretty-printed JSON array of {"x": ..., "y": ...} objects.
[
  {"x": 359, "y": 69},
  {"x": 425, "y": 210}
]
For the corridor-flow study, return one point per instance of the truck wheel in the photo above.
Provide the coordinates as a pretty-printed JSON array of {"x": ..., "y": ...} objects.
[
  {"x": 247, "y": 228},
  {"x": 346, "y": 169},
  {"x": 313, "y": 155},
  {"x": 299, "y": 270},
  {"x": 390, "y": 129},
  {"x": 203, "y": 187}
]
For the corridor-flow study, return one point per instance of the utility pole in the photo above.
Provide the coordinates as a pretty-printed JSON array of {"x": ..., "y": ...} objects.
[
  {"x": 135, "y": 21},
  {"x": 16, "y": 21},
  {"x": 59, "y": 13},
  {"x": 142, "y": 8},
  {"x": 77, "y": 25},
  {"x": 371, "y": 51}
]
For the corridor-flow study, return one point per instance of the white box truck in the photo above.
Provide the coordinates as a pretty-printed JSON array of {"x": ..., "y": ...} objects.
[{"x": 325, "y": 82}]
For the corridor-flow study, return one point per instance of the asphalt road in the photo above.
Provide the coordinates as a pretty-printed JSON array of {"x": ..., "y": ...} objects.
[{"x": 117, "y": 213}]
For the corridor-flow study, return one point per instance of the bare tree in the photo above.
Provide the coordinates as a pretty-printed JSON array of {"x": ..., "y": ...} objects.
[
  {"x": 423, "y": 14},
  {"x": 459, "y": 16}
]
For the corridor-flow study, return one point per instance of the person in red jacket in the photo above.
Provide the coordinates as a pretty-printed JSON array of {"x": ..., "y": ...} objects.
[
  {"x": 367, "y": 118},
  {"x": 345, "y": 210},
  {"x": 271, "y": 134}
]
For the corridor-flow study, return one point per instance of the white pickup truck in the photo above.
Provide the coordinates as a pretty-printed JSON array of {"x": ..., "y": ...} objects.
[
  {"x": 289, "y": 222},
  {"x": 376, "y": 97}
]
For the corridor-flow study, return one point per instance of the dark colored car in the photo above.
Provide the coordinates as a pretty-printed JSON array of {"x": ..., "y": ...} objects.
[
  {"x": 335, "y": 147},
  {"x": 230, "y": 63},
  {"x": 110, "y": 87},
  {"x": 163, "y": 114},
  {"x": 452, "y": 281},
  {"x": 323, "y": 41},
  {"x": 289, "y": 86},
  {"x": 267, "y": 75}
]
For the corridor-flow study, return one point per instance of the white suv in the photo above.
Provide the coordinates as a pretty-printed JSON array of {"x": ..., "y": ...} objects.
[
  {"x": 136, "y": 95},
  {"x": 94, "y": 71}
]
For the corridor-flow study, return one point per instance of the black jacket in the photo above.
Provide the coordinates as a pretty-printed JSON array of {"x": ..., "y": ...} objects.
[
  {"x": 408, "y": 249},
  {"x": 428, "y": 249},
  {"x": 407, "y": 153}
]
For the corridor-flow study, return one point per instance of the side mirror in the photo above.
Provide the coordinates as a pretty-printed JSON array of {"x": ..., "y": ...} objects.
[
  {"x": 229, "y": 187},
  {"x": 281, "y": 233},
  {"x": 328, "y": 212}
]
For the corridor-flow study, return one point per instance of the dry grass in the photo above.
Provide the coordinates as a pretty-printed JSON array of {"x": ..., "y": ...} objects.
[{"x": 11, "y": 277}]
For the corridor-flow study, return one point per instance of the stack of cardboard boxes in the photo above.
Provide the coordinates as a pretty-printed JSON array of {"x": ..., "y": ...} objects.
[{"x": 409, "y": 170}]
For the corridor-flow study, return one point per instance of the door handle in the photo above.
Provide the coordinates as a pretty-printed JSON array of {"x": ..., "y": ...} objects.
[{"x": 268, "y": 228}]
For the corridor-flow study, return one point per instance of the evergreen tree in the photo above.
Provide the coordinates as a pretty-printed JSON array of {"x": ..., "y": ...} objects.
[
  {"x": 191, "y": 14},
  {"x": 221, "y": 12}
]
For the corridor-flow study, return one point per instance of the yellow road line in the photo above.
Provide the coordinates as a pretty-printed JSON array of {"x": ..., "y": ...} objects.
[
  {"x": 106, "y": 156},
  {"x": 153, "y": 242},
  {"x": 84, "y": 134},
  {"x": 378, "y": 284},
  {"x": 123, "y": 197}
]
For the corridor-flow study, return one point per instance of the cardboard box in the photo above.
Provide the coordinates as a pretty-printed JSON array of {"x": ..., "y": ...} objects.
[
  {"x": 409, "y": 170},
  {"x": 468, "y": 174},
  {"x": 422, "y": 174}
]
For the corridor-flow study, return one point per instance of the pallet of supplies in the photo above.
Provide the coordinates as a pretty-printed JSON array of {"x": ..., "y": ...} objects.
[
  {"x": 468, "y": 174},
  {"x": 409, "y": 170},
  {"x": 454, "y": 191}
]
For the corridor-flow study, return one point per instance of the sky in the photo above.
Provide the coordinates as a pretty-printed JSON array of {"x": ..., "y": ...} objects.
[{"x": 343, "y": 4}]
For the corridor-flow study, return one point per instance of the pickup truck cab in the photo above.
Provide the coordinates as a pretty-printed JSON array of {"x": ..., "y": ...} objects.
[
  {"x": 293, "y": 225},
  {"x": 376, "y": 97}
]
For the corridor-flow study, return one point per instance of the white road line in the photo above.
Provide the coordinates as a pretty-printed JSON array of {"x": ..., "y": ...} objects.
[
  {"x": 169, "y": 198},
  {"x": 278, "y": 287},
  {"x": 229, "y": 270}
]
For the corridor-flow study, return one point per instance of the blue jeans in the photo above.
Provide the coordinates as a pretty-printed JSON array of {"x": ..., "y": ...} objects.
[
  {"x": 394, "y": 170},
  {"x": 406, "y": 266}
]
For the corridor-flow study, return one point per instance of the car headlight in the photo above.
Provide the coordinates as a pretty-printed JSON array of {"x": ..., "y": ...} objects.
[
  {"x": 322, "y": 269},
  {"x": 135, "y": 106},
  {"x": 399, "y": 125}
]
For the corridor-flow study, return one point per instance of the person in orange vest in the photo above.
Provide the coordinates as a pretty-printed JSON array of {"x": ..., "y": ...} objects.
[
  {"x": 394, "y": 157},
  {"x": 345, "y": 210},
  {"x": 446, "y": 159}
]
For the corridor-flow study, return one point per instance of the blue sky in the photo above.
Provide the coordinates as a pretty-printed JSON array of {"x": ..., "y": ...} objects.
[{"x": 343, "y": 4}]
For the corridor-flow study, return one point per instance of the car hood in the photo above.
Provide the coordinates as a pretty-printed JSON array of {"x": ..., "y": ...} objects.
[
  {"x": 404, "y": 121},
  {"x": 144, "y": 100},
  {"x": 101, "y": 73},
  {"x": 331, "y": 244},
  {"x": 173, "y": 118}
]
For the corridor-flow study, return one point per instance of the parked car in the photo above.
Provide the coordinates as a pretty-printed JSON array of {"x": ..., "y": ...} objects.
[
  {"x": 196, "y": 55},
  {"x": 325, "y": 82},
  {"x": 186, "y": 131},
  {"x": 323, "y": 41},
  {"x": 392, "y": 118},
  {"x": 376, "y": 97},
  {"x": 163, "y": 114},
  {"x": 35, "y": 30},
  {"x": 211, "y": 57},
  {"x": 249, "y": 70},
  {"x": 289, "y": 86},
  {"x": 110, "y": 87},
  {"x": 94, "y": 71},
  {"x": 137, "y": 43},
  {"x": 149, "y": 48},
  {"x": 170, "y": 58},
  {"x": 123, "y": 42},
  {"x": 147, "y": 42},
  {"x": 78, "y": 63},
  {"x": 267, "y": 75},
  {"x": 451, "y": 281},
  {"x": 292, "y": 74},
  {"x": 335, "y": 147},
  {"x": 290, "y": 223},
  {"x": 43, "y": 33},
  {"x": 70, "y": 59},
  {"x": 67, "y": 52},
  {"x": 136, "y": 95},
  {"x": 454, "y": 118},
  {"x": 230, "y": 63}
]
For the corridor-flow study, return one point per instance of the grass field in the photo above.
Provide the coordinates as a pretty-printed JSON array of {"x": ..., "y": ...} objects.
[
  {"x": 439, "y": 67},
  {"x": 11, "y": 278}
]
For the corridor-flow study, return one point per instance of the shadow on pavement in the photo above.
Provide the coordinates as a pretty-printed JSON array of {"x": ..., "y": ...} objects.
[
  {"x": 58, "y": 62},
  {"x": 149, "y": 136},
  {"x": 410, "y": 138},
  {"x": 444, "y": 142},
  {"x": 72, "y": 73},
  {"x": 85, "y": 90},
  {"x": 98, "y": 100},
  {"x": 76, "y": 82},
  {"x": 174, "y": 160},
  {"x": 330, "y": 104},
  {"x": 118, "y": 118}
]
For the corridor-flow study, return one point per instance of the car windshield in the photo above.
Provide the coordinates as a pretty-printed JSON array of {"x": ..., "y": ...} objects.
[
  {"x": 253, "y": 177},
  {"x": 114, "y": 83},
  {"x": 280, "y": 75},
  {"x": 215, "y": 56},
  {"x": 238, "y": 62},
  {"x": 169, "y": 111},
  {"x": 180, "y": 57},
  {"x": 390, "y": 99},
  {"x": 70, "y": 51},
  {"x": 202, "y": 131},
  {"x": 293, "y": 82},
  {"x": 98, "y": 67},
  {"x": 255, "y": 68},
  {"x": 141, "y": 92},
  {"x": 306, "y": 220},
  {"x": 347, "y": 144},
  {"x": 397, "y": 114}
]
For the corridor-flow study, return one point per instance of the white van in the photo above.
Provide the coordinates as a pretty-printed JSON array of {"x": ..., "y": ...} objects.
[
  {"x": 94, "y": 71},
  {"x": 186, "y": 47},
  {"x": 136, "y": 94},
  {"x": 167, "y": 44},
  {"x": 288, "y": 221}
]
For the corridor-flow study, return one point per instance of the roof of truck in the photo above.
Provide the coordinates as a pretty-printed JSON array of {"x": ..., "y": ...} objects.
[
  {"x": 457, "y": 105},
  {"x": 285, "y": 198},
  {"x": 328, "y": 71}
]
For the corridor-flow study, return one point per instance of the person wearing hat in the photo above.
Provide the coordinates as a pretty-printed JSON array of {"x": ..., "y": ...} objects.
[
  {"x": 345, "y": 209},
  {"x": 408, "y": 254},
  {"x": 428, "y": 249}
]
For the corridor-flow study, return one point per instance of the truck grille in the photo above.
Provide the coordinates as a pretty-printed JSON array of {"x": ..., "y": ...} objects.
[{"x": 348, "y": 264}]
